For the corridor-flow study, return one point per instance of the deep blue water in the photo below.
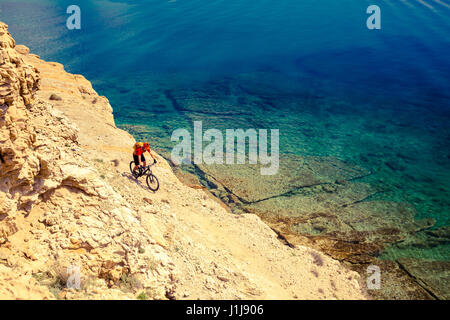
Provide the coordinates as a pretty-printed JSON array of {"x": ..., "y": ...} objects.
[
  {"x": 326, "y": 39},
  {"x": 332, "y": 86}
]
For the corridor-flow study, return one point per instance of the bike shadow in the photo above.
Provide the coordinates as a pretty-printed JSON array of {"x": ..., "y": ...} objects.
[{"x": 137, "y": 181}]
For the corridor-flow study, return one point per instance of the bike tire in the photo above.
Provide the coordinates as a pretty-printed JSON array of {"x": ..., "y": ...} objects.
[
  {"x": 131, "y": 166},
  {"x": 152, "y": 182}
]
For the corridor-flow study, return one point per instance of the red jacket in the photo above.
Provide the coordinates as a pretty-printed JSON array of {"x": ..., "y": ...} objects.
[{"x": 140, "y": 151}]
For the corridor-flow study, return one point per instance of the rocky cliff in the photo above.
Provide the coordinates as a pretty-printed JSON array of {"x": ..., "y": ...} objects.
[{"x": 67, "y": 200}]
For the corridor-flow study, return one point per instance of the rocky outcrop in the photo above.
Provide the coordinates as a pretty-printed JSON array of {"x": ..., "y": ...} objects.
[
  {"x": 68, "y": 202},
  {"x": 54, "y": 205},
  {"x": 17, "y": 163}
]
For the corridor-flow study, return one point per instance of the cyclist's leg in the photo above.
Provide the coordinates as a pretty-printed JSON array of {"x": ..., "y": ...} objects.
[
  {"x": 143, "y": 160},
  {"x": 136, "y": 162}
]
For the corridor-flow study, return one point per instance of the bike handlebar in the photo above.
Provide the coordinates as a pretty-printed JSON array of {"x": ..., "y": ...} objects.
[{"x": 152, "y": 164}]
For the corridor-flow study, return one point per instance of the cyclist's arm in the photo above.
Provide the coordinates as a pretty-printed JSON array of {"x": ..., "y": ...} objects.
[
  {"x": 154, "y": 158},
  {"x": 151, "y": 154}
]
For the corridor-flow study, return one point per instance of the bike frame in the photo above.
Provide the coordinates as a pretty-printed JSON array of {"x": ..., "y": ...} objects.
[{"x": 147, "y": 170}]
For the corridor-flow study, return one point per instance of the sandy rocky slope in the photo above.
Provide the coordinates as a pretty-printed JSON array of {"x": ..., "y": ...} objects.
[{"x": 67, "y": 199}]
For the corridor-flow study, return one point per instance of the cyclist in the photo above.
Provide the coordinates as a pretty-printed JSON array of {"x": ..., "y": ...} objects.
[{"x": 138, "y": 155}]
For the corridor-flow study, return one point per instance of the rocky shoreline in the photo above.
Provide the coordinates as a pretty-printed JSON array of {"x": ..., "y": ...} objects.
[
  {"x": 380, "y": 199},
  {"x": 68, "y": 202},
  {"x": 65, "y": 204},
  {"x": 319, "y": 202},
  {"x": 375, "y": 207}
]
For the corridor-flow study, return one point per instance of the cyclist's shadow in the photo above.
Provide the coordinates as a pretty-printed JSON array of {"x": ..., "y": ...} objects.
[{"x": 137, "y": 181}]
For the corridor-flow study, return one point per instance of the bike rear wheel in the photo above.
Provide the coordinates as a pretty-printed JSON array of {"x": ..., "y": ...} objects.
[{"x": 152, "y": 182}]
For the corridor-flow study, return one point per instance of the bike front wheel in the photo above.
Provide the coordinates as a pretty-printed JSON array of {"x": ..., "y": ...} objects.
[{"x": 152, "y": 182}]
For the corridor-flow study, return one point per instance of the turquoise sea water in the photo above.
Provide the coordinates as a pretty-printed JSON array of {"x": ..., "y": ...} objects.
[{"x": 379, "y": 98}]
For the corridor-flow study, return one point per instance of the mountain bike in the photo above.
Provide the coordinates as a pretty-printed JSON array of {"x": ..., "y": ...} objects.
[{"x": 151, "y": 179}]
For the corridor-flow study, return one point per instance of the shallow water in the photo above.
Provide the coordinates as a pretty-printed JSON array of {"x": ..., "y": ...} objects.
[{"x": 379, "y": 98}]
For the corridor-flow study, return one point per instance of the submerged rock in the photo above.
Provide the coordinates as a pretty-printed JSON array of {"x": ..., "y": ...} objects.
[
  {"x": 316, "y": 201},
  {"x": 436, "y": 282},
  {"x": 295, "y": 172}
]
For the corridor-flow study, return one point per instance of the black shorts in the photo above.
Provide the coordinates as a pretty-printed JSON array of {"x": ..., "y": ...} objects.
[{"x": 136, "y": 159}]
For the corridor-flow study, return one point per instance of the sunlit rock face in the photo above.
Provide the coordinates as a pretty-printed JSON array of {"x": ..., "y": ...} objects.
[{"x": 19, "y": 164}]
